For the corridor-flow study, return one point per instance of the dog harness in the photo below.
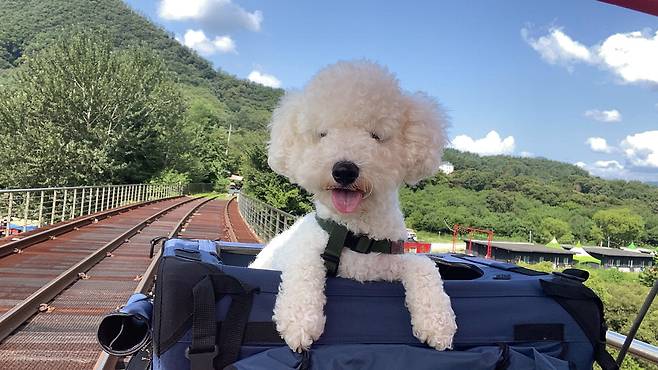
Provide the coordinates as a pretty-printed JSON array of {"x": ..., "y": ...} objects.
[{"x": 340, "y": 237}]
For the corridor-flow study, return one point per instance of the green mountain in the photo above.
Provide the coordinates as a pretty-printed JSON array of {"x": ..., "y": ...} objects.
[
  {"x": 188, "y": 140},
  {"x": 514, "y": 196},
  {"x": 30, "y": 25}
]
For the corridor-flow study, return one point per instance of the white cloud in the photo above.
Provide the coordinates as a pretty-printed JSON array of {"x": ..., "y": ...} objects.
[
  {"x": 526, "y": 155},
  {"x": 198, "y": 41},
  {"x": 264, "y": 79},
  {"x": 598, "y": 144},
  {"x": 608, "y": 165},
  {"x": 215, "y": 15},
  {"x": 632, "y": 56},
  {"x": 558, "y": 48},
  {"x": 641, "y": 149},
  {"x": 607, "y": 169},
  {"x": 612, "y": 169},
  {"x": 612, "y": 115},
  {"x": 492, "y": 144}
]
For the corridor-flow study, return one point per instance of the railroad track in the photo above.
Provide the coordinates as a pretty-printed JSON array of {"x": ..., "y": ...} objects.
[
  {"x": 207, "y": 222},
  {"x": 237, "y": 229},
  {"x": 15, "y": 243},
  {"x": 56, "y": 291}
]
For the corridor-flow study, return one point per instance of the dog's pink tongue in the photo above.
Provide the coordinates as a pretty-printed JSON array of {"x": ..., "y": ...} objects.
[{"x": 346, "y": 201}]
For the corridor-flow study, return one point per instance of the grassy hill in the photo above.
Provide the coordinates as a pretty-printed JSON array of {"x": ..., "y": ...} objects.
[
  {"x": 514, "y": 196},
  {"x": 31, "y": 25},
  {"x": 201, "y": 105}
]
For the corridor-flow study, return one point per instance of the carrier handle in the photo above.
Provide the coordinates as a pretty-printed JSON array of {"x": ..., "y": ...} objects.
[{"x": 204, "y": 351}]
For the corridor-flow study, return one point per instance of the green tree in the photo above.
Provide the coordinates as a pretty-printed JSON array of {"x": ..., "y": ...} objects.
[
  {"x": 81, "y": 112},
  {"x": 621, "y": 225},
  {"x": 550, "y": 228},
  {"x": 263, "y": 183}
]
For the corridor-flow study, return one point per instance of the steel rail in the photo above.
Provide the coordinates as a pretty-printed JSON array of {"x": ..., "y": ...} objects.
[
  {"x": 32, "y": 239},
  {"x": 20, "y": 313},
  {"x": 106, "y": 361},
  {"x": 637, "y": 348},
  {"x": 227, "y": 222}
]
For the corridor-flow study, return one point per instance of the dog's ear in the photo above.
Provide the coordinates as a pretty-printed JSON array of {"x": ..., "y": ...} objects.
[
  {"x": 283, "y": 132},
  {"x": 424, "y": 137}
]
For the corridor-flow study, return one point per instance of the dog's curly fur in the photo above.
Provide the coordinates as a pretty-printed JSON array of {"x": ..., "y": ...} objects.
[{"x": 354, "y": 111}]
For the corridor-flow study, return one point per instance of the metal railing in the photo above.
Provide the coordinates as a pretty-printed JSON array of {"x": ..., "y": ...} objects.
[
  {"x": 24, "y": 209},
  {"x": 637, "y": 348},
  {"x": 265, "y": 220}
]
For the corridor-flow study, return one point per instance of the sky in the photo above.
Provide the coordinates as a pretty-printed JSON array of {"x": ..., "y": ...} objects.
[{"x": 569, "y": 80}]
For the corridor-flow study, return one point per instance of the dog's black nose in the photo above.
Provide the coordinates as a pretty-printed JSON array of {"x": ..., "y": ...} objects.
[{"x": 345, "y": 172}]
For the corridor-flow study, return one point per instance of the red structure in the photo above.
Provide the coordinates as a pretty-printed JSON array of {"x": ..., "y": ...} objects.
[
  {"x": 470, "y": 231},
  {"x": 417, "y": 247},
  {"x": 645, "y": 6}
]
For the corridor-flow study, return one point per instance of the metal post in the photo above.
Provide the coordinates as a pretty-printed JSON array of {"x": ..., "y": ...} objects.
[
  {"x": 91, "y": 198},
  {"x": 82, "y": 203},
  {"x": 64, "y": 204},
  {"x": 638, "y": 320},
  {"x": 27, "y": 210},
  {"x": 278, "y": 223},
  {"x": 270, "y": 227},
  {"x": 52, "y": 215},
  {"x": 11, "y": 201},
  {"x": 75, "y": 198},
  {"x": 41, "y": 209},
  {"x": 96, "y": 203},
  {"x": 103, "y": 199}
]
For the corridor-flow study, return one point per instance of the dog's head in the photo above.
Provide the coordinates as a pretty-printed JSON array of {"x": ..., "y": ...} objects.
[{"x": 352, "y": 136}]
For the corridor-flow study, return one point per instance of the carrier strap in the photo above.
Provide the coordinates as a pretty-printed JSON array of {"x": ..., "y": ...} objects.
[
  {"x": 203, "y": 352},
  {"x": 340, "y": 237},
  {"x": 583, "y": 305},
  {"x": 233, "y": 330}
]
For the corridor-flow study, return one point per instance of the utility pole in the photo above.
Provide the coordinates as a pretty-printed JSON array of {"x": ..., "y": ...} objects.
[{"x": 530, "y": 236}]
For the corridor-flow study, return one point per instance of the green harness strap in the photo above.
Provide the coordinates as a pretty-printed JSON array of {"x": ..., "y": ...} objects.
[{"x": 340, "y": 237}]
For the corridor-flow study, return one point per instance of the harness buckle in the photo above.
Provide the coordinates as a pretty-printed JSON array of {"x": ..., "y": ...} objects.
[{"x": 202, "y": 359}]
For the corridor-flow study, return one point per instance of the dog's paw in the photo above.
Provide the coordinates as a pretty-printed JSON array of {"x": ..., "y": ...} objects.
[
  {"x": 299, "y": 320},
  {"x": 299, "y": 332},
  {"x": 437, "y": 329}
]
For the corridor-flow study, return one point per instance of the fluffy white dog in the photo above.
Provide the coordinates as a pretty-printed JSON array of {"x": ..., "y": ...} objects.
[{"x": 352, "y": 137}]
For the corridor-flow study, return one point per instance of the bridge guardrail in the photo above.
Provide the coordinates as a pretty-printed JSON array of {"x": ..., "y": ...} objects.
[
  {"x": 265, "y": 220},
  {"x": 37, "y": 207}
]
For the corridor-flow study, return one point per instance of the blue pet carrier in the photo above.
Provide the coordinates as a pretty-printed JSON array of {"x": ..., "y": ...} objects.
[{"x": 210, "y": 312}]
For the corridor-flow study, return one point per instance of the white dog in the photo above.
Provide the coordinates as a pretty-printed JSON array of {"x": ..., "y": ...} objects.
[{"x": 352, "y": 137}]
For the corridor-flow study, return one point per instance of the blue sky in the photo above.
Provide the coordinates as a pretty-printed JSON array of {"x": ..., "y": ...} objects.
[{"x": 574, "y": 81}]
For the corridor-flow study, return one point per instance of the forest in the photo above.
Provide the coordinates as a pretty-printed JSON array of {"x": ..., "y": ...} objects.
[{"x": 93, "y": 93}]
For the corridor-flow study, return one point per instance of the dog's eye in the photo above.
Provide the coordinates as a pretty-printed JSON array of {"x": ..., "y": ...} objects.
[
  {"x": 323, "y": 134},
  {"x": 375, "y": 136}
]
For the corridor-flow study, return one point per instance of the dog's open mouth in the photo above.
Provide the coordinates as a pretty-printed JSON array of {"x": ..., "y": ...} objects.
[{"x": 346, "y": 200}]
